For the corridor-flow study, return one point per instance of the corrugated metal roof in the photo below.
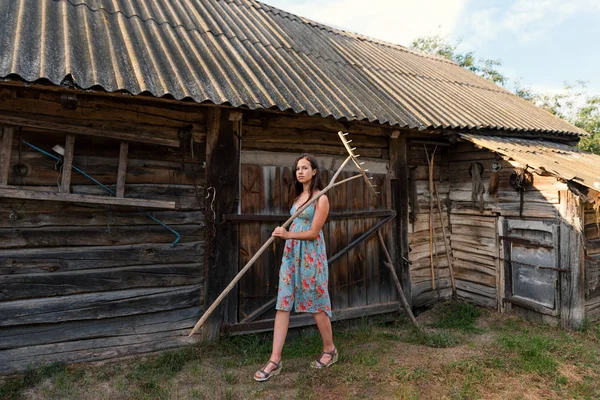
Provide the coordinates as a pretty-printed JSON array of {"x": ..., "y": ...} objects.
[
  {"x": 560, "y": 160},
  {"x": 245, "y": 53}
]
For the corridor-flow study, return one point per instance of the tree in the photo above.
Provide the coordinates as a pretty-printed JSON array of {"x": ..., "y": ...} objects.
[
  {"x": 439, "y": 46},
  {"x": 573, "y": 104},
  {"x": 588, "y": 119}
]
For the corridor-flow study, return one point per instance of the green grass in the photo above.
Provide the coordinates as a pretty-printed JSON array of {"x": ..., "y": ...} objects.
[
  {"x": 460, "y": 316},
  {"x": 378, "y": 360},
  {"x": 442, "y": 338},
  {"x": 531, "y": 352},
  {"x": 31, "y": 377}
]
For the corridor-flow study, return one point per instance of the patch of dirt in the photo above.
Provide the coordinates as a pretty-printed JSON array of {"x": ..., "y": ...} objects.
[
  {"x": 526, "y": 387},
  {"x": 573, "y": 373}
]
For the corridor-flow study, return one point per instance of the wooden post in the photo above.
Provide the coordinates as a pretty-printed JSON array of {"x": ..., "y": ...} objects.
[
  {"x": 121, "y": 175},
  {"x": 222, "y": 183},
  {"x": 572, "y": 283},
  {"x": 430, "y": 164},
  {"x": 5, "y": 154},
  {"x": 506, "y": 267},
  {"x": 67, "y": 167},
  {"x": 399, "y": 182}
]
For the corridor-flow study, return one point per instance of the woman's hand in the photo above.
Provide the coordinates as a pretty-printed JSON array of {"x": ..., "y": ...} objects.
[{"x": 281, "y": 233}]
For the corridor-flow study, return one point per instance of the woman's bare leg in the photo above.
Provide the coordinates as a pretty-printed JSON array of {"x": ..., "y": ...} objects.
[
  {"x": 324, "y": 325},
  {"x": 282, "y": 322}
]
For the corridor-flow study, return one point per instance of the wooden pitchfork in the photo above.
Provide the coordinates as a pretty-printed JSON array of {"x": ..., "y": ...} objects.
[{"x": 332, "y": 183}]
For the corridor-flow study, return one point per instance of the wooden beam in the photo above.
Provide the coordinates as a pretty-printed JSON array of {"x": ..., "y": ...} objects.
[
  {"x": 235, "y": 116},
  {"x": 67, "y": 167},
  {"x": 5, "y": 154},
  {"x": 305, "y": 319},
  {"x": 12, "y": 192},
  {"x": 106, "y": 132},
  {"x": 399, "y": 171},
  {"x": 505, "y": 267},
  {"x": 222, "y": 183},
  {"x": 529, "y": 242},
  {"x": 525, "y": 303},
  {"x": 572, "y": 283},
  {"x": 122, "y": 169}
]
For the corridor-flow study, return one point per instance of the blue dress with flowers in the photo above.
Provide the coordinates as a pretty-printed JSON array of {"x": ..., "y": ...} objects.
[{"x": 303, "y": 275}]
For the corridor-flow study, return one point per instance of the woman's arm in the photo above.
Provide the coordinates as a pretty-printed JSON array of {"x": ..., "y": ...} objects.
[{"x": 321, "y": 212}]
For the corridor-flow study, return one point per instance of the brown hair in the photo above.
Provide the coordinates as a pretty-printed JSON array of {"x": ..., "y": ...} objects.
[{"x": 315, "y": 183}]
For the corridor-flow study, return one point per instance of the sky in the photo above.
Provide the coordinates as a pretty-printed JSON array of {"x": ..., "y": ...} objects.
[{"x": 542, "y": 43}]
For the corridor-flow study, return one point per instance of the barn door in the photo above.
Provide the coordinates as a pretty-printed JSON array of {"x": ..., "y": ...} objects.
[
  {"x": 532, "y": 265},
  {"x": 357, "y": 278}
]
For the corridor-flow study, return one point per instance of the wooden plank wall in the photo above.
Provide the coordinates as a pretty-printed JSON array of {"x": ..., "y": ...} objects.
[
  {"x": 592, "y": 263},
  {"x": 91, "y": 282},
  {"x": 540, "y": 201},
  {"x": 475, "y": 243},
  {"x": 418, "y": 230},
  {"x": 358, "y": 278}
]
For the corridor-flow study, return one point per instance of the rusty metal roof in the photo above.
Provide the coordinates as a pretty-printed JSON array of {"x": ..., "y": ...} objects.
[
  {"x": 246, "y": 53},
  {"x": 561, "y": 160}
]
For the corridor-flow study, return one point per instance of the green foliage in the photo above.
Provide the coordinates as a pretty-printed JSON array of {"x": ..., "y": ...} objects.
[
  {"x": 439, "y": 46},
  {"x": 574, "y": 105},
  {"x": 588, "y": 119}
]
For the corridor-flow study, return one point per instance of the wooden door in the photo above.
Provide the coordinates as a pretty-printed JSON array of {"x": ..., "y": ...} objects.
[
  {"x": 357, "y": 279},
  {"x": 531, "y": 258}
]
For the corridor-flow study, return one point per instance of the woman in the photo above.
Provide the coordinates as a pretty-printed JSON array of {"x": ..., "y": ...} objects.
[{"x": 303, "y": 276}]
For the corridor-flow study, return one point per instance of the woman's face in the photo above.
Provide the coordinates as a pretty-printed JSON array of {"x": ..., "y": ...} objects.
[{"x": 304, "y": 171}]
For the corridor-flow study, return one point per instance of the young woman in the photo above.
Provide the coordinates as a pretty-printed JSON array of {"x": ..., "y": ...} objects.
[{"x": 303, "y": 276}]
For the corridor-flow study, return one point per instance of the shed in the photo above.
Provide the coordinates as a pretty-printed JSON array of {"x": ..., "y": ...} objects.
[{"x": 146, "y": 154}]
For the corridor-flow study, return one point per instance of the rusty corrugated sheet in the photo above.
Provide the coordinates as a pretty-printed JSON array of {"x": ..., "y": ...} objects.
[
  {"x": 245, "y": 53},
  {"x": 560, "y": 160}
]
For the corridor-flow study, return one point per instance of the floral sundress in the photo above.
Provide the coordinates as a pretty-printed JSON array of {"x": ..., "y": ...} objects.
[{"x": 303, "y": 275}]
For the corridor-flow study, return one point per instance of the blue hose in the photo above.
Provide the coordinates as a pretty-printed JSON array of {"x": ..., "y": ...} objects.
[{"x": 147, "y": 214}]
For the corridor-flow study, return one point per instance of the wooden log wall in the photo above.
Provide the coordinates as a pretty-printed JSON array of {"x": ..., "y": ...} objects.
[
  {"x": 269, "y": 147},
  {"x": 475, "y": 241},
  {"x": 86, "y": 282},
  {"x": 419, "y": 234},
  {"x": 592, "y": 261}
]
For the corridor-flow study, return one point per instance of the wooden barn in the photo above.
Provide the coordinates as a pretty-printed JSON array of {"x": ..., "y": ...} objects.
[{"x": 146, "y": 154}]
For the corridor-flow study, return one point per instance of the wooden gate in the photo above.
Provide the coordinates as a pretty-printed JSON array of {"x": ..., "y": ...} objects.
[{"x": 359, "y": 283}]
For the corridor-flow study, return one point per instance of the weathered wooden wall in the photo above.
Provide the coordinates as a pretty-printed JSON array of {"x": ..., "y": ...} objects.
[
  {"x": 475, "y": 233},
  {"x": 83, "y": 282},
  {"x": 592, "y": 262}
]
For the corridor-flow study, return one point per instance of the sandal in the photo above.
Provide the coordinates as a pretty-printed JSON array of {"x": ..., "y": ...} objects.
[
  {"x": 318, "y": 364},
  {"x": 264, "y": 376}
]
